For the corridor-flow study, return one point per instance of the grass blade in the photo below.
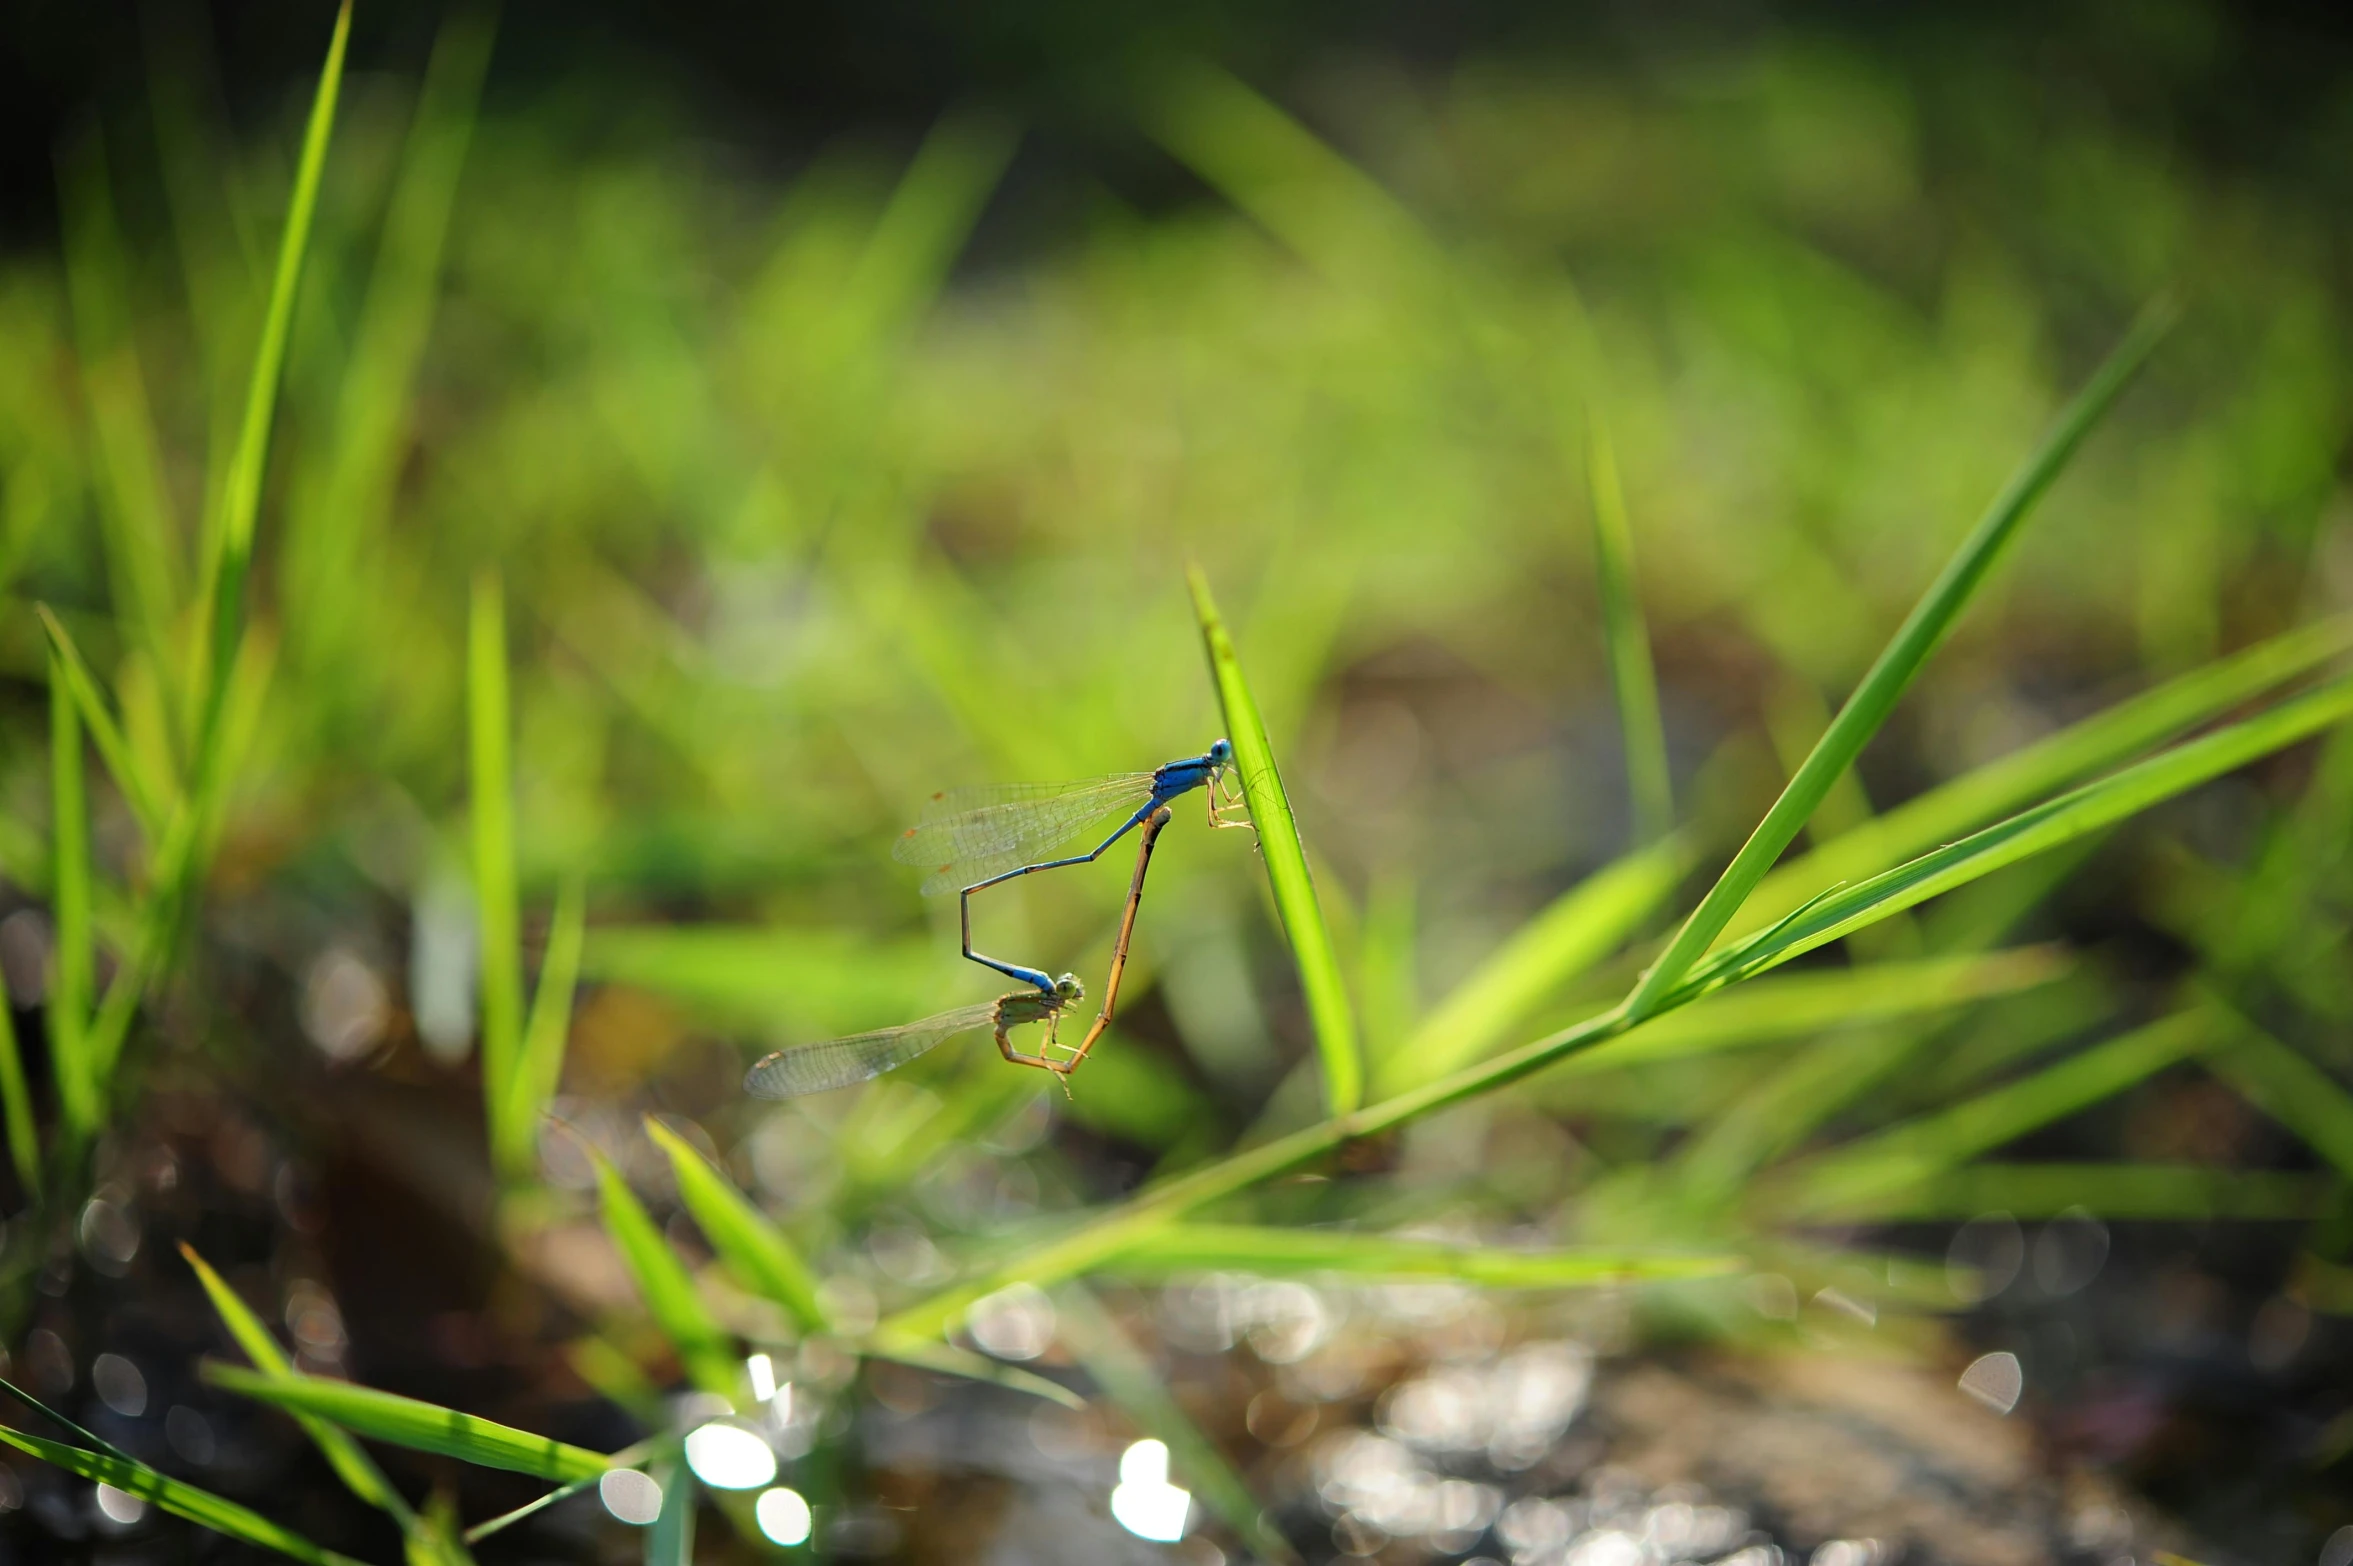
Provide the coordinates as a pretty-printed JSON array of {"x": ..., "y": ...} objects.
[
  {"x": 1288, "y": 1252},
  {"x": 354, "y": 1467},
  {"x": 2108, "y": 738},
  {"x": 139, "y": 791},
  {"x": 221, "y": 1515},
  {"x": 1581, "y": 927},
  {"x": 670, "y": 1541},
  {"x": 662, "y": 1279},
  {"x": 948, "y": 1360},
  {"x": 137, "y": 527},
  {"x": 2046, "y": 826},
  {"x": 1902, "y": 659},
  {"x": 1649, "y": 784},
  {"x": 1286, "y": 864},
  {"x": 1905, "y": 1155},
  {"x": 80, "y": 1089},
  {"x": 344, "y": 500},
  {"x": 493, "y": 796},
  {"x": 755, "y": 1250},
  {"x": 404, "y": 1421},
  {"x": 16, "y": 1102},
  {"x": 1129, "y": 1379},
  {"x": 229, "y": 551},
  {"x": 540, "y": 1066},
  {"x": 1800, "y": 1004},
  {"x": 2284, "y": 1085},
  {"x": 2177, "y": 1192}
]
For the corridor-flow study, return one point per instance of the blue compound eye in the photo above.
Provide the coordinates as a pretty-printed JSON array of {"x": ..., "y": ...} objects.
[{"x": 1221, "y": 753}]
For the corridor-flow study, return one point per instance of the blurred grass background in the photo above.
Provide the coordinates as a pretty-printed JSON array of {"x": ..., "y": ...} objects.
[{"x": 822, "y": 464}]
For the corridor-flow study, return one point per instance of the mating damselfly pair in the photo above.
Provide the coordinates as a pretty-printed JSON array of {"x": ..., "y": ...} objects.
[{"x": 971, "y": 839}]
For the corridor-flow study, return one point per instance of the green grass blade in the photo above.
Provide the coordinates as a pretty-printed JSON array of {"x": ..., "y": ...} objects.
[
  {"x": 404, "y": 1421},
  {"x": 1092, "y": 1240},
  {"x": 1648, "y": 782},
  {"x": 541, "y": 1064},
  {"x": 492, "y": 782},
  {"x": 2108, "y": 738},
  {"x": 221, "y": 1515},
  {"x": 1801, "y": 1004},
  {"x": 16, "y": 1103},
  {"x": 2284, "y": 1085},
  {"x": 134, "y": 502},
  {"x": 1927, "y": 625},
  {"x": 229, "y": 551},
  {"x": 948, "y": 1360},
  {"x": 353, "y": 1466},
  {"x": 1903, "y": 1156},
  {"x": 1287, "y": 1252},
  {"x": 1581, "y": 927},
  {"x": 2118, "y": 1192},
  {"x": 187, "y": 847},
  {"x": 663, "y": 1281},
  {"x": 753, "y": 1248},
  {"x": 670, "y": 1541},
  {"x": 2047, "y": 826},
  {"x": 140, "y": 792},
  {"x": 1130, "y": 1380},
  {"x": 80, "y": 1088},
  {"x": 351, "y": 492},
  {"x": 97, "y": 1442},
  {"x": 1286, "y": 864}
]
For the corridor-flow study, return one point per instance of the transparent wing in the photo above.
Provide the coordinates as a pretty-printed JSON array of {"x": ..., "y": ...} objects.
[
  {"x": 970, "y": 834},
  {"x": 837, "y": 1063}
]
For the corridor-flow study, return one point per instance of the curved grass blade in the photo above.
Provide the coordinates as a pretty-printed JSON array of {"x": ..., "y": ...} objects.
[
  {"x": 2165, "y": 1192},
  {"x": 670, "y": 1541},
  {"x": 16, "y": 1099},
  {"x": 221, "y": 1515},
  {"x": 1898, "y": 663},
  {"x": 1285, "y": 1252},
  {"x": 1286, "y": 863},
  {"x": 229, "y": 544},
  {"x": 420, "y": 1426},
  {"x": 631, "y": 1457},
  {"x": 491, "y": 789},
  {"x": 948, "y": 1360},
  {"x": 1581, "y": 927},
  {"x": 662, "y": 1279},
  {"x": 2108, "y": 738},
  {"x": 2283, "y": 1084},
  {"x": 1648, "y": 783},
  {"x": 1800, "y": 1004},
  {"x": 139, "y": 791},
  {"x": 80, "y": 1087},
  {"x": 2047, "y": 826},
  {"x": 755, "y": 1250},
  {"x": 539, "y": 1067},
  {"x": 1905, "y": 1155},
  {"x": 354, "y": 1467}
]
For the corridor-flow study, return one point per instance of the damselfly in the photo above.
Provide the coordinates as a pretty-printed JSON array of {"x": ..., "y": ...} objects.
[
  {"x": 971, "y": 839},
  {"x": 837, "y": 1063}
]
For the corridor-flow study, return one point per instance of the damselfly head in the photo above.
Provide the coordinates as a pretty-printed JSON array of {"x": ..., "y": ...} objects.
[
  {"x": 1067, "y": 989},
  {"x": 1221, "y": 755}
]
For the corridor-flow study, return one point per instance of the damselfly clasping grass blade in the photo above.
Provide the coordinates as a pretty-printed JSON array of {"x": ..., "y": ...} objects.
[{"x": 973, "y": 838}]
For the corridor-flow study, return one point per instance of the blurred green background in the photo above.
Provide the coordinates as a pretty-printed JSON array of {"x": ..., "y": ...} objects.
[{"x": 835, "y": 417}]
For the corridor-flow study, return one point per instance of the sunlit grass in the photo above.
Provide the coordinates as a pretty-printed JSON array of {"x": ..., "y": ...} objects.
[{"x": 652, "y": 563}]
